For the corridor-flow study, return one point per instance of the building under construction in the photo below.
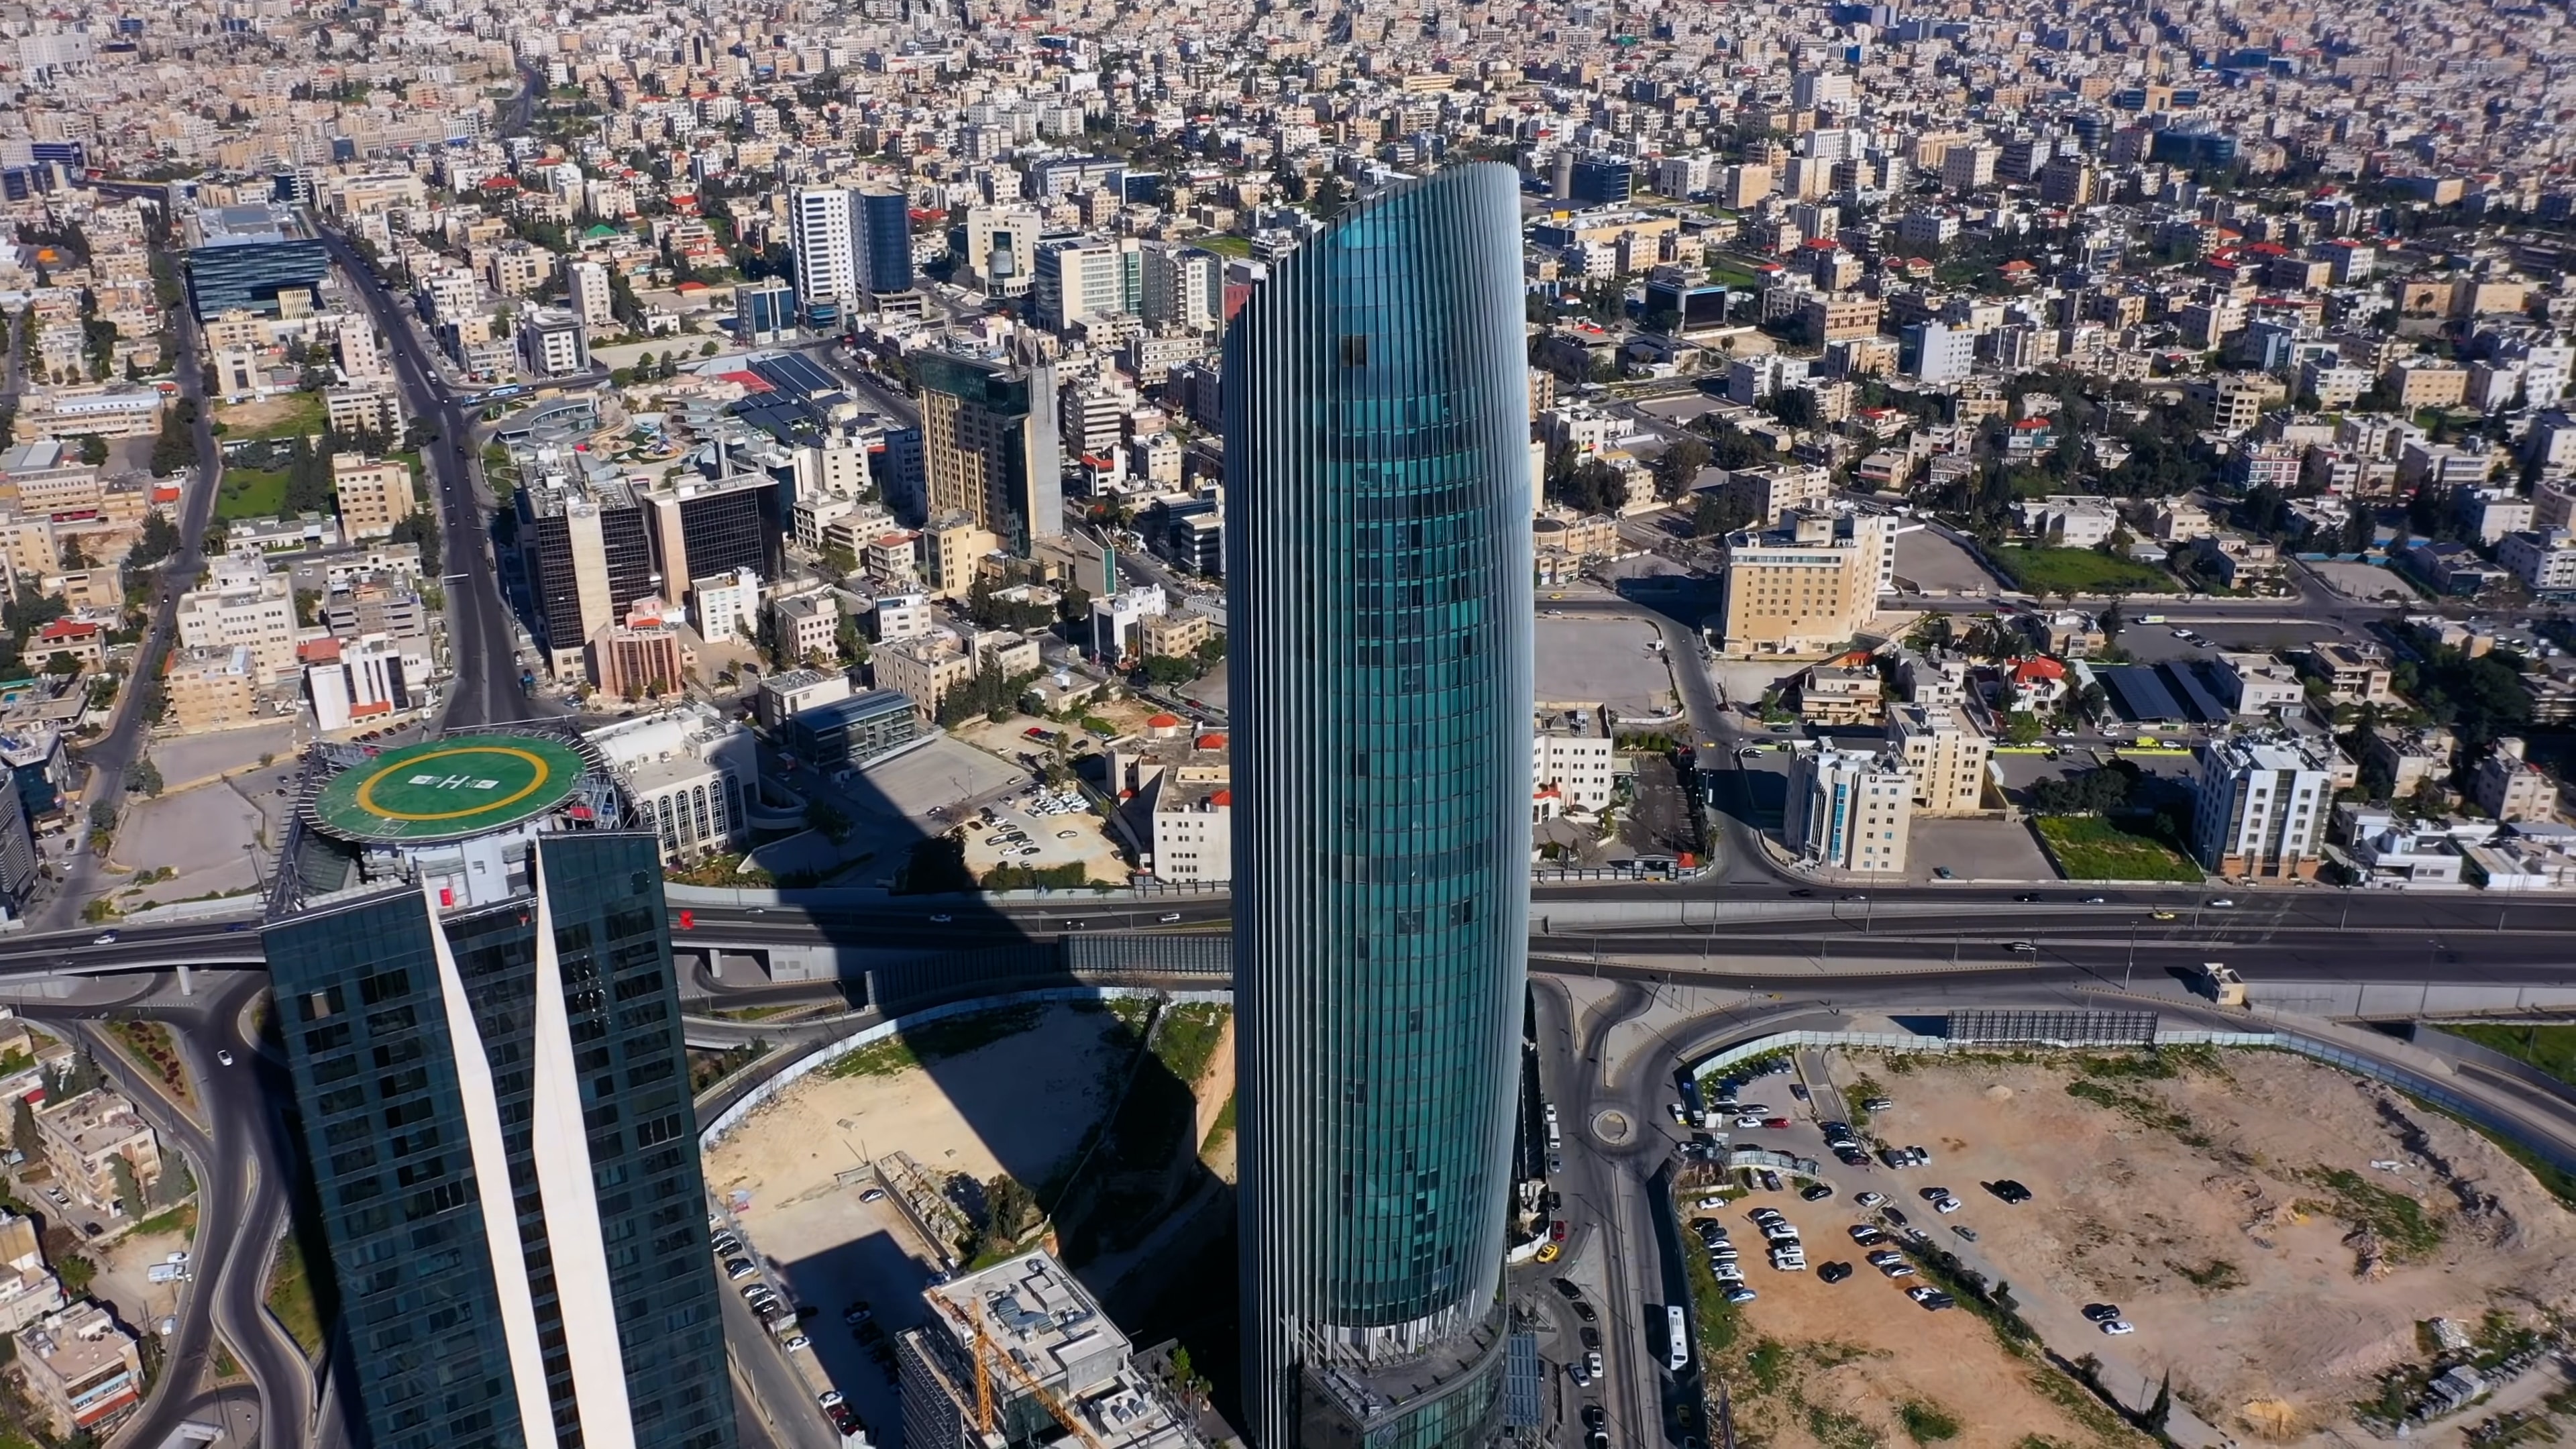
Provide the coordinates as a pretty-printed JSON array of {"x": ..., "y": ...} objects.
[{"x": 1020, "y": 1355}]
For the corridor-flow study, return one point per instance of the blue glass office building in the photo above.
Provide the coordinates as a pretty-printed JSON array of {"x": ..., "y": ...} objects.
[
  {"x": 1378, "y": 553},
  {"x": 483, "y": 1030},
  {"x": 881, "y": 231}
]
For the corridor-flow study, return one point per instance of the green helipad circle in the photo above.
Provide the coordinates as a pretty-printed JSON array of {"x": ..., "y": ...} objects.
[{"x": 444, "y": 789}]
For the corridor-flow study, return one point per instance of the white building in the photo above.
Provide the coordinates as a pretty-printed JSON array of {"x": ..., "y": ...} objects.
[
  {"x": 820, "y": 231},
  {"x": 686, "y": 774},
  {"x": 2262, "y": 806},
  {"x": 1118, "y": 621},
  {"x": 350, "y": 681},
  {"x": 592, "y": 300},
  {"x": 726, "y": 606},
  {"x": 1572, "y": 764},
  {"x": 1945, "y": 758},
  {"x": 1850, "y": 810},
  {"x": 242, "y": 605},
  {"x": 2544, "y": 559},
  {"x": 551, "y": 343}
]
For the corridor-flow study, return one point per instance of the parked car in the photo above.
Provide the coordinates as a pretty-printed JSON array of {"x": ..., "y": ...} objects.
[{"x": 2119, "y": 1326}]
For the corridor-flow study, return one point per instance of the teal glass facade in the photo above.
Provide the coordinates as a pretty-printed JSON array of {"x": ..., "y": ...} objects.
[{"x": 1378, "y": 557}]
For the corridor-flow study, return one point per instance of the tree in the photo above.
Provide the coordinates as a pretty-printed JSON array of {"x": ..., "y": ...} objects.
[
  {"x": 93, "y": 448},
  {"x": 158, "y": 540},
  {"x": 1679, "y": 467},
  {"x": 2112, "y": 621},
  {"x": 145, "y": 777},
  {"x": 80, "y": 1076},
  {"x": 22, "y": 1130},
  {"x": 128, "y": 1191},
  {"x": 1008, "y": 1210}
]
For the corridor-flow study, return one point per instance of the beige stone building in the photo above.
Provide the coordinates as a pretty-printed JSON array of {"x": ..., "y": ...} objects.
[
  {"x": 85, "y": 1137},
  {"x": 1806, "y": 587},
  {"x": 924, "y": 669},
  {"x": 212, "y": 689},
  {"x": 1175, "y": 633},
  {"x": 2510, "y": 787},
  {"x": 1850, "y": 811},
  {"x": 81, "y": 1370},
  {"x": 375, "y": 494},
  {"x": 1946, "y": 758}
]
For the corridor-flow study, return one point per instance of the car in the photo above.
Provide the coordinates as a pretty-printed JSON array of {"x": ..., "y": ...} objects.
[
  {"x": 1937, "y": 1302},
  {"x": 1581, "y": 1374},
  {"x": 857, "y": 1316},
  {"x": 1556, "y": 613},
  {"x": 2182, "y": 633},
  {"x": 1883, "y": 1257},
  {"x": 1932, "y": 1194},
  {"x": 1800, "y": 894},
  {"x": 1921, "y": 1291},
  {"x": 2096, "y": 900},
  {"x": 795, "y": 1341},
  {"x": 943, "y": 918},
  {"x": 2101, "y": 1312},
  {"x": 1594, "y": 1416},
  {"x": 1871, "y": 1199},
  {"x": 1946, "y": 1206},
  {"x": 1816, "y": 1191},
  {"x": 1879, "y": 1104},
  {"x": 2009, "y": 1190},
  {"x": 1566, "y": 1288},
  {"x": 1943, "y": 872},
  {"x": 1680, "y": 1112},
  {"x": 2024, "y": 948},
  {"x": 1775, "y": 1123},
  {"x": 1550, "y": 1252},
  {"x": 2162, "y": 915},
  {"x": 1770, "y": 1180},
  {"x": 224, "y": 1056},
  {"x": 238, "y": 926},
  {"x": 726, "y": 1245},
  {"x": 1894, "y": 1218},
  {"x": 2026, "y": 897},
  {"x": 1966, "y": 1233},
  {"x": 2118, "y": 1326},
  {"x": 828, "y": 1397},
  {"x": 1710, "y": 1202},
  {"x": 2223, "y": 903},
  {"x": 1748, "y": 1120},
  {"x": 1586, "y": 1311},
  {"x": 105, "y": 938},
  {"x": 1556, "y": 1231},
  {"x": 1592, "y": 1361},
  {"x": 1896, "y": 1270},
  {"x": 739, "y": 1268},
  {"x": 1597, "y": 1439},
  {"x": 1588, "y": 1336},
  {"x": 1168, "y": 917},
  {"x": 1767, "y": 1215},
  {"x": 874, "y": 1194},
  {"x": 757, "y": 1293},
  {"x": 1852, "y": 1156},
  {"x": 1798, "y": 1090}
]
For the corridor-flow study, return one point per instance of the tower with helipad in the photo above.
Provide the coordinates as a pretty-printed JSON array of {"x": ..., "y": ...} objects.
[{"x": 448, "y": 789}]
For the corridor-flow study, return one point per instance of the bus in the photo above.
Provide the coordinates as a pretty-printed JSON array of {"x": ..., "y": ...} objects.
[{"x": 1679, "y": 1324}]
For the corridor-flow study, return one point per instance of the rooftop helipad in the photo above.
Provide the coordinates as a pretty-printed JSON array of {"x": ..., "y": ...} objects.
[{"x": 450, "y": 788}]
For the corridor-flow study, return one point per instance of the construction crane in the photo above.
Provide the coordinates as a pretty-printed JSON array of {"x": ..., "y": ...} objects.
[{"x": 987, "y": 1353}]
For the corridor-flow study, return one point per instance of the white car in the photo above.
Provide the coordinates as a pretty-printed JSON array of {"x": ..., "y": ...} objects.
[
  {"x": 1711, "y": 1201},
  {"x": 1946, "y": 1205},
  {"x": 795, "y": 1341},
  {"x": 1748, "y": 1120},
  {"x": 1871, "y": 1199},
  {"x": 1740, "y": 1295},
  {"x": 2118, "y": 1326}
]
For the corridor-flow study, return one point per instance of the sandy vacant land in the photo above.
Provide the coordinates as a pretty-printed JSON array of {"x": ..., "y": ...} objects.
[
  {"x": 1839, "y": 1364},
  {"x": 1018, "y": 1103},
  {"x": 2234, "y": 1212}
]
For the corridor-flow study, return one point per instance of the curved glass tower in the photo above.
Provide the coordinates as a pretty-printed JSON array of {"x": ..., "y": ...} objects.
[{"x": 1378, "y": 571}]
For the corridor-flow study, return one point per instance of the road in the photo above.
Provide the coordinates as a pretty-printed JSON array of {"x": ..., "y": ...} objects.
[
  {"x": 241, "y": 1204},
  {"x": 115, "y": 752},
  {"x": 481, "y": 637}
]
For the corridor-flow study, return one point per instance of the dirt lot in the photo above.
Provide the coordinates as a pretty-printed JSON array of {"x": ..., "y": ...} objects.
[
  {"x": 2233, "y": 1211},
  {"x": 1840, "y": 1365}
]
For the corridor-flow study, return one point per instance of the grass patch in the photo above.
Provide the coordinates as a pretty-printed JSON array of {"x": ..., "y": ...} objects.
[
  {"x": 1224, "y": 246},
  {"x": 2079, "y": 571},
  {"x": 2400, "y": 1223},
  {"x": 181, "y": 1219},
  {"x": 251, "y": 493},
  {"x": 1187, "y": 1041},
  {"x": 1717, "y": 1322},
  {"x": 921, "y": 1045},
  {"x": 290, "y": 1297},
  {"x": 2098, "y": 1418},
  {"x": 2215, "y": 1276},
  {"x": 291, "y": 415},
  {"x": 1927, "y": 1423},
  {"x": 2552, "y": 1049},
  {"x": 150, "y": 1044},
  {"x": 1223, "y": 1129},
  {"x": 2144, "y": 1111},
  {"x": 1837, "y": 1430},
  {"x": 753, "y": 1013},
  {"x": 225, "y": 1365},
  {"x": 2089, "y": 847}
]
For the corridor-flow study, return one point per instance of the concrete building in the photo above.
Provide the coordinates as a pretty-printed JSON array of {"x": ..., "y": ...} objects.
[
  {"x": 2253, "y": 684},
  {"x": 2261, "y": 806},
  {"x": 642, "y": 659},
  {"x": 2352, "y": 673},
  {"x": 853, "y": 731},
  {"x": 924, "y": 669},
  {"x": 1946, "y": 758},
  {"x": 807, "y": 626},
  {"x": 1193, "y": 819},
  {"x": 551, "y": 343},
  {"x": 82, "y": 1371},
  {"x": 1051, "y": 1359},
  {"x": 242, "y": 607},
  {"x": 2410, "y": 757},
  {"x": 2544, "y": 559},
  {"x": 88, "y": 1137},
  {"x": 989, "y": 444},
  {"x": 686, "y": 774},
  {"x": 1766, "y": 496},
  {"x": 362, "y": 680},
  {"x": 2508, "y": 786},
  {"x": 211, "y": 689},
  {"x": 1807, "y": 586},
  {"x": 1849, "y": 810},
  {"x": 375, "y": 494},
  {"x": 1573, "y": 763},
  {"x": 784, "y": 694},
  {"x": 726, "y": 606}
]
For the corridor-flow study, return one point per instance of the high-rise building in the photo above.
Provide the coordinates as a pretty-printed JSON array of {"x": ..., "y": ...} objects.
[
  {"x": 881, "y": 237},
  {"x": 989, "y": 444},
  {"x": 475, "y": 988},
  {"x": 818, "y": 231},
  {"x": 1379, "y": 564},
  {"x": 1850, "y": 810},
  {"x": 703, "y": 527},
  {"x": 2260, "y": 806},
  {"x": 1182, "y": 287},
  {"x": 374, "y": 493},
  {"x": 586, "y": 551},
  {"x": 591, "y": 297},
  {"x": 1806, "y": 586}
]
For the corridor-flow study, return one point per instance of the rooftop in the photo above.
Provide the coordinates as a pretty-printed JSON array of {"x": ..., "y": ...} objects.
[{"x": 446, "y": 789}]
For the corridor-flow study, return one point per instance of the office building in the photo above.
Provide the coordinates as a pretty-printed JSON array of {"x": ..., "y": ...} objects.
[
  {"x": 852, "y": 731},
  {"x": 989, "y": 446},
  {"x": 1379, "y": 564},
  {"x": 254, "y": 259},
  {"x": 782, "y": 695},
  {"x": 704, "y": 527},
  {"x": 686, "y": 774},
  {"x": 881, "y": 241},
  {"x": 1084, "y": 277},
  {"x": 819, "y": 230},
  {"x": 1183, "y": 287},
  {"x": 1933, "y": 353},
  {"x": 1054, "y": 1368},
  {"x": 643, "y": 658},
  {"x": 18, "y": 864},
  {"x": 586, "y": 550},
  {"x": 374, "y": 493},
  {"x": 1849, "y": 810},
  {"x": 551, "y": 343},
  {"x": 355, "y": 681},
  {"x": 480, "y": 1016},
  {"x": 242, "y": 606},
  {"x": 1808, "y": 586},
  {"x": 2261, "y": 805},
  {"x": 212, "y": 688},
  {"x": 1573, "y": 767},
  {"x": 764, "y": 311}
]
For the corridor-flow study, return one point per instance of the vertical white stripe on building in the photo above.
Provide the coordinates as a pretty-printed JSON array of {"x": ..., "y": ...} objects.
[
  {"x": 492, "y": 1187},
  {"x": 561, "y": 1146}
]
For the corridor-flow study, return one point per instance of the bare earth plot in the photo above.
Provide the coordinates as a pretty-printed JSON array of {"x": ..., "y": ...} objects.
[{"x": 2234, "y": 1212}]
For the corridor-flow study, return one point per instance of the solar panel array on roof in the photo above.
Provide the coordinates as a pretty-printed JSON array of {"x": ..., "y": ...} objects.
[
  {"x": 2139, "y": 695},
  {"x": 795, "y": 372}
]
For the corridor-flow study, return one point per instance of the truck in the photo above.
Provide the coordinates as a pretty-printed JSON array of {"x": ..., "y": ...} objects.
[
  {"x": 165, "y": 1273},
  {"x": 2224, "y": 986}
]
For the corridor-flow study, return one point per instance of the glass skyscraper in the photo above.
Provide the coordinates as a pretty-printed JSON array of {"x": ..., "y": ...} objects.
[
  {"x": 1378, "y": 562},
  {"x": 493, "y": 1093}
]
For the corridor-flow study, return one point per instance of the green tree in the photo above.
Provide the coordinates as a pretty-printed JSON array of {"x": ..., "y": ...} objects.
[
  {"x": 93, "y": 448},
  {"x": 80, "y": 1076},
  {"x": 1679, "y": 467},
  {"x": 1009, "y": 1208},
  {"x": 145, "y": 778},
  {"x": 128, "y": 1191},
  {"x": 22, "y": 1130}
]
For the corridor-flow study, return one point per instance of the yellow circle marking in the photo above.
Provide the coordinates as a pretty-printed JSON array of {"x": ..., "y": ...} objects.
[{"x": 367, "y": 791}]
